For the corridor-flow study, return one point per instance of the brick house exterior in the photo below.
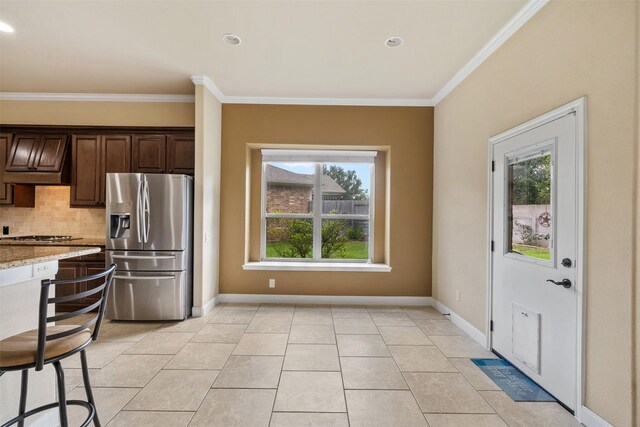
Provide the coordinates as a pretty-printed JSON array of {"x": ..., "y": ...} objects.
[{"x": 289, "y": 198}]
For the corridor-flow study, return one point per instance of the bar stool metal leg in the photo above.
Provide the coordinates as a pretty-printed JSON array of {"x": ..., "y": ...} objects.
[
  {"x": 87, "y": 386},
  {"x": 23, "y": 395},
  {"x": 62, "y": 397}
]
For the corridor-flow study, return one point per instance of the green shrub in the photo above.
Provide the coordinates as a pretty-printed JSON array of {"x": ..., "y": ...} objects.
[
  {"x": 334, "y": 236},
  {"x": 355, "y": 233}
]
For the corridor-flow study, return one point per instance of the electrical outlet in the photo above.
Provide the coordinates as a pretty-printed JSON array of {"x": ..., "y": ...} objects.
[
  {"x": 457, "y": 295},
  {"x": 41, "y": 269},
  {"x": 272, "y": 283}
]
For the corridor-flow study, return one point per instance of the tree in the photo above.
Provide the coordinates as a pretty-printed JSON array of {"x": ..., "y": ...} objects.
[
  {"x": 348, "y": 180},
  {"x": 531, "y": 181}
]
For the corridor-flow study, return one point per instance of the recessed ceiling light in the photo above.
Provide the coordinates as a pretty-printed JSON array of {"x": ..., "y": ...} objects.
[
  {"x": 394, "y": 41},
  {"x": 231, "y": 39},
  {"x": 6, "y": 28}
]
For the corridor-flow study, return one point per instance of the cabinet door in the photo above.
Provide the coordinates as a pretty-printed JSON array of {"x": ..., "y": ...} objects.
[
  {"x": 6, "y": 190},
  {"x": 86, "y": 155},
  {"x": 22, "y": 153},
  {"x": 149, "y": 153},
  {"x": 116, "y": 158},
  {"x": 68, "y": 270},
  {"x": 51, "y": 153},
  {"x": 92, "y": 268},
  {"x": 180, "y": 154}
]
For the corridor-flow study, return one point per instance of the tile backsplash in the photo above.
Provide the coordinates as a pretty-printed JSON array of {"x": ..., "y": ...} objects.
[{"x": 52, "y": 215}]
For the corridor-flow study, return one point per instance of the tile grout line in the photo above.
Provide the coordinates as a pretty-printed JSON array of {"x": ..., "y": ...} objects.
[
  {"x": 344, "y": 391},
  {"x": 275, "y": 396}
]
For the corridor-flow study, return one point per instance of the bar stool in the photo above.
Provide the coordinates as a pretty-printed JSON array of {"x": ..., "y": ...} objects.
[{"x": 51, "y": 344}]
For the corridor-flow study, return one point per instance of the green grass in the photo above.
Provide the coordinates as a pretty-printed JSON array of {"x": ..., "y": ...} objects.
[
  {"x": 353, "y": 250},
  {"x": 533, "y": 252}
]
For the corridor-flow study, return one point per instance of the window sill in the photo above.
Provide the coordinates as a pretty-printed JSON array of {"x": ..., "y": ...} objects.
[{"x": 317, "y": 266}]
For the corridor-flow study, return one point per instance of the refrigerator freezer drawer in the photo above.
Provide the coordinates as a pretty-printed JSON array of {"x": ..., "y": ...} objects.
[
  {"x": 148, "y": 296},
  {"x": 148, "y": 260}
]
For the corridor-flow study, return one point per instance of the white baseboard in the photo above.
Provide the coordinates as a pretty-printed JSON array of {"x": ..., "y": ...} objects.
[
  {"x": 471, "y": 330},
  {"x": 322, "y": 299},
  {"x": 591, "y": 419},
  {"x": 202, "y": 311}
]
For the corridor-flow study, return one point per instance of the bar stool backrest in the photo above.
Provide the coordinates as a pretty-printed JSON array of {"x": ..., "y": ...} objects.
[{"x": 43, "y": 319}]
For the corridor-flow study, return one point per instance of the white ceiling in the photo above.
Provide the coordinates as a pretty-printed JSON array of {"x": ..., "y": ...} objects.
[{"x": 296, "y": 49}]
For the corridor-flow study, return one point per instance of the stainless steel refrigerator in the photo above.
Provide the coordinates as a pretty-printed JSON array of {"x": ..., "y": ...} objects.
[{"x": 149, "y": 235}]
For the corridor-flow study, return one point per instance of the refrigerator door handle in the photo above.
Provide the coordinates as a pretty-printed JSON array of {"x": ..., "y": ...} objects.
[
  {"x": 147, "y": 211},
  {"x": 139, "y": 211},
  {"x": 143, "y": 257},
  {"x": 145, "y": 277}
]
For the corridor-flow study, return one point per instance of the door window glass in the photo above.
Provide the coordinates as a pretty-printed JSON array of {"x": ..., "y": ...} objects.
[{"x": 530, "y": 218}]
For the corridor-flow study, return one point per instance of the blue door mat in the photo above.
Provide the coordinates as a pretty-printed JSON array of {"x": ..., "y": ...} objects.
[{"x": 518, "y": 386}]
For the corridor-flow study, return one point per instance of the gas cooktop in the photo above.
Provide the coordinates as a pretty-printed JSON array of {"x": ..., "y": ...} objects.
[{"x": 41, "y": 238}]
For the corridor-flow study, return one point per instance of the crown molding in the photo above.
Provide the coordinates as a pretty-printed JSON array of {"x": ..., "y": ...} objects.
[
  {"x": 202, "y": 80},
  {"x": 381, "y": 102},
  {"x": 95, "y": 97},
  {"x": 519, "y": 19}
]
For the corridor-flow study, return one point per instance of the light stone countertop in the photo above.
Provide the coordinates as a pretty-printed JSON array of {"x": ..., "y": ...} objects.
[
  {"x": 19, "y": 255},
  {"x": 84, "y": 241}
]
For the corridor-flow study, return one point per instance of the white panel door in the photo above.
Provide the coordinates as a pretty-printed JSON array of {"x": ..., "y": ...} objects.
[{"x": 534, "y": 304}]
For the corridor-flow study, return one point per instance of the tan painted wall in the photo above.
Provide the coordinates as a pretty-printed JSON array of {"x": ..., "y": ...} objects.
[
  {"x": 96, "y": 113},
  {"x": 569, "y": 49},
  {"x": 206, "y": 233},
  {"x": 635, "y": 320},
  {"x": 409, "y": 134}
]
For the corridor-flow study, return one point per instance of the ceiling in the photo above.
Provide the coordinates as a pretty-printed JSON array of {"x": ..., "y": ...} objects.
[{"x": 295, "y": 49}]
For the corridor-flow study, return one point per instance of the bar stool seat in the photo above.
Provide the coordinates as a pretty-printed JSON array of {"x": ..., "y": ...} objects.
[{"x": 22, "y": 349}]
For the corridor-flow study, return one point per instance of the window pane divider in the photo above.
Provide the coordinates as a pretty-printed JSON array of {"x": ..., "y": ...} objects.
[
  {"x": 317, "y": 213},
  {"x": 289, "y": 215},
  {"x": 346, "y": 216}
]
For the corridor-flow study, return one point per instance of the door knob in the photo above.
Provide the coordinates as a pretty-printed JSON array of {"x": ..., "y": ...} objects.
[{"x": 565, "y": 282}]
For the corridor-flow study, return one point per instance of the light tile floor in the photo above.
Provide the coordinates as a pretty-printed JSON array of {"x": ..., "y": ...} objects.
[{"x": 284, "y": 365}]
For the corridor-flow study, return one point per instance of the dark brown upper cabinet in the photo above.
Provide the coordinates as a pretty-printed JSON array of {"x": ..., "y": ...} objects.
[
  {"x": 38, "y": 159},
  {"x": 173, "y": 153},
  {"x": 37, "y": 153},
  {"x": 6, "y": 190},
  {"x": 93, "y": 156},
  {"x": 149, "y": 153},
  {"x": 20, "y": 196},
  {"x": 180, "y": 154}
]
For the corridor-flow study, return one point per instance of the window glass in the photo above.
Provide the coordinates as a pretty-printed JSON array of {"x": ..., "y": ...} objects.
[
  {"x": 340, "y": 227},
  {"x": 289, "y": 187},
  {"x": 289, "y": 238},
  {"x": 345, "y": 239},
  {"x": 346, "y": 188},
  {"x": 530, "y": 213}
]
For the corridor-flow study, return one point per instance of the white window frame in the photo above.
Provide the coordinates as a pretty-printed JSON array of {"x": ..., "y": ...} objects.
[{"x": 318, "y": 157}]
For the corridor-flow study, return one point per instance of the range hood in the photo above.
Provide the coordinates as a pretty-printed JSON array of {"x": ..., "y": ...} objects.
[{"x": 39, "y": 159}]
